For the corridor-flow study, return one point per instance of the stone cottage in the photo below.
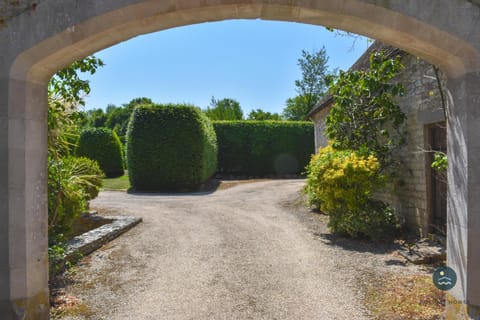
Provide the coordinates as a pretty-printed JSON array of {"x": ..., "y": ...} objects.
[{"x": 419, "y": 193}]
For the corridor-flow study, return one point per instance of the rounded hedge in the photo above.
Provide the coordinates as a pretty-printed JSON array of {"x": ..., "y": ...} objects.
[
  {"x": 170, "y": 148},
  {"x": 104, "y": 146}
]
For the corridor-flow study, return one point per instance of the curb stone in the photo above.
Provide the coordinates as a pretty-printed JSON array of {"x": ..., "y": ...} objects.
[{"x": 90, "y": 241}]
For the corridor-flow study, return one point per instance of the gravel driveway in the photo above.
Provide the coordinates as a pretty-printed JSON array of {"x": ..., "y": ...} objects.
[{"x": 242, "y": 253}]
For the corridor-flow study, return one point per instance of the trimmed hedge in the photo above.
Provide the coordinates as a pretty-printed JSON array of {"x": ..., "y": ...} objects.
[
  {"x": 262, "y": 148},
  {"x": 170, "y": 148},
  {"x": 104, "y": 146}
]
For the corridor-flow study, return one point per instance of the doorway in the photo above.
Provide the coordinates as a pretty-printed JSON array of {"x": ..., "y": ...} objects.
[{"x": 436, "y": 141}]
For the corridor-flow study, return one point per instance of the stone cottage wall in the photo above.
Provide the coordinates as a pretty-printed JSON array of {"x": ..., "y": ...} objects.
[
  {"x": 319, "y": 127},
  {"x": 422, "y": 105}
]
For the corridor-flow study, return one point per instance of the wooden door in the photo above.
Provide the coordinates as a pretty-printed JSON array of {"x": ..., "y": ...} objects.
[{"x": 437, "y": 182}]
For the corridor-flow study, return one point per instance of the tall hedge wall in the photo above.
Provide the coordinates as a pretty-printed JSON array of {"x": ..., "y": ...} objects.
[
  {"x": 170, "y": 148},
  {"x": 104, "y": 146},
  {"x": 264, "y": 147}
]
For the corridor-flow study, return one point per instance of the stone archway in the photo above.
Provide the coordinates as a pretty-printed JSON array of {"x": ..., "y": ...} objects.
[{"x": 40, "y": 37}]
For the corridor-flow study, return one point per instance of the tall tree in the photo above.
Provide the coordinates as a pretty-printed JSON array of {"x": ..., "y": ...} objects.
[
  {"x": 297, "y": 109},
  {"x": 96, "y": 118},
  {"x": 225, "y": 109},
  {"x": 259, "y": 114},
  {"x": 311, "y": 87},
  {"x": 366, "y": 115}
]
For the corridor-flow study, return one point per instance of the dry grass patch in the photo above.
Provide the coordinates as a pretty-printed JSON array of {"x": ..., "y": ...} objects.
[
  {"x": 405, "y": 297},
  {"x": 63, "y": 304}
]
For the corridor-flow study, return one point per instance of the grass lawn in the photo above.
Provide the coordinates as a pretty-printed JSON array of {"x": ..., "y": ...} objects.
[{"x": 121, "y": 183}]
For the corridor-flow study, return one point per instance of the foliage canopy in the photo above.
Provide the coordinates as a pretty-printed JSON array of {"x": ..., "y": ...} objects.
[
  {"x": 364, "y": 127},
  {"x": 224, "y": 109},
  {"x": 366, "y": 115},
  {"x": 311, "y": 87},
  {"x": 67, "y": 88},
  {"x": 260, "y": 115}
]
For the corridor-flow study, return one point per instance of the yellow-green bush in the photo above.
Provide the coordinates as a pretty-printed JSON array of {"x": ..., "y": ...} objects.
[{"x": 342, "y": 184}]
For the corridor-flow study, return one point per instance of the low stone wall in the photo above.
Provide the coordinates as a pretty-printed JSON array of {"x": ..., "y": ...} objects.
[{"x": 90, "y": 241}]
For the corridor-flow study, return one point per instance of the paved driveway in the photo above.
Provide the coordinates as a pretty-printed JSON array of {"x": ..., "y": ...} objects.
[{"x": 238, "y": 253}]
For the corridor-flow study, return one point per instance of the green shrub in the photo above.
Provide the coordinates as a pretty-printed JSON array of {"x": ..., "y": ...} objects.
[
  {"x": 263, "y": 147},
  {"x": 89, "y": 175},
  {"x": 343, "y": 184},
  {"x": 170, "y": 148},
  {"x": 71, "y": 183},
  {"x": 102, "y": 145}
]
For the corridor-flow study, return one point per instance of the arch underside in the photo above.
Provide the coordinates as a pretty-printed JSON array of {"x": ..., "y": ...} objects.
[{"x": 99, "y": 27}]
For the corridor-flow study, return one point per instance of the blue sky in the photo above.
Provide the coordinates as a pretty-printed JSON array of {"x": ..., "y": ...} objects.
[{"x": 252, "y": 61}]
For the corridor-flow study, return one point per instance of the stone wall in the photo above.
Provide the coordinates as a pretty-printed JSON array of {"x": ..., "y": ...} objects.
[
  {"x": 422, "y": 105},
  {"x": 12, "y": 8},
  {"x": 319, "y": 127}
]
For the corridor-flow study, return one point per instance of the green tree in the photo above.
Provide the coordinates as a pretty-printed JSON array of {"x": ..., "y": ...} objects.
[
  {"x": 259, "y": 114},
  {"x": 365, "y": 115},
  {"x": 311, "y": 87},
  {"x": 71, "y": 181},
  {"x": 297, "y": 109},
  {"x": 80, "y": 118},
  {"x": 114, "y": 117},
  {"x": 136, "y": 102},
  {"x": 225, "y": 109},
  {"x": 66, "y": 91},
  {"x": 67, "y": 88},
  {"x": 96, "y": 118},
  {"x": 365, "y": 129},
  {"x": 117, "y": 117}
]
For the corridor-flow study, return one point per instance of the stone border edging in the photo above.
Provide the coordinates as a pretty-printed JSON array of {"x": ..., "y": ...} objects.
[{"x": 90, "y": 241}]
